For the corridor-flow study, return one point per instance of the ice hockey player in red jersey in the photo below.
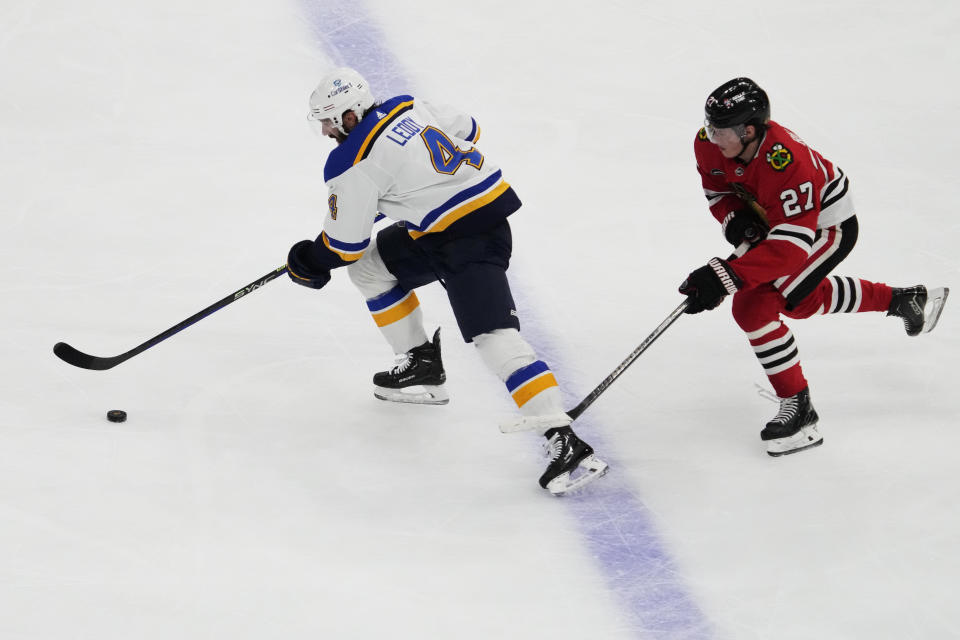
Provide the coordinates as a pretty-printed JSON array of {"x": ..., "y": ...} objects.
[{"x": 791, "y": 210}]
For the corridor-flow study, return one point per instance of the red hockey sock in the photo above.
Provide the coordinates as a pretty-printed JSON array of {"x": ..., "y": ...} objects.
[
  {"x": 842, "y": 294},
  {"x": 876, "y": 296},
  {"x": 777, "y": 352}
]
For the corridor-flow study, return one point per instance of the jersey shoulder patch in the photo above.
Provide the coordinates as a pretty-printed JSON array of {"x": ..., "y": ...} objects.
[{"x": 779, "y": 157}]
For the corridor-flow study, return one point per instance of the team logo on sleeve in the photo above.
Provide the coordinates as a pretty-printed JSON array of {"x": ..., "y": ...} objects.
[
  {"x": 332, "y": 204},
  {"x": 779, "y": 157},
  {"x": 702, "y": 134}
]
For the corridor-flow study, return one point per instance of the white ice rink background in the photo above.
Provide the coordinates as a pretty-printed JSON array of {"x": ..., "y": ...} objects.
[{"x": 154, "y": 157}]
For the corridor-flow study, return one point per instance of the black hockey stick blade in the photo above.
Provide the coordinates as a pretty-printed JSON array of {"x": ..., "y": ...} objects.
[{"x": 83, "y": 360}]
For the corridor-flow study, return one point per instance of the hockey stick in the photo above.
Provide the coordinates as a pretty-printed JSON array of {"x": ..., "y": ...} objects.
[
  {"x": 541, "y": 423},
  {"x": 545, "y": 422},
  {"x": 663, "y": 326},
  {"x": 79, "y": 359}
]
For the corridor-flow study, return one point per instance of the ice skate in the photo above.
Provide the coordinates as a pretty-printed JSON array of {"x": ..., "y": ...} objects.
[
  {"x": 417, "y": 377},
  {"x": 572, "y": 462},
  {"x": 919, "y": 308},
  {"x": 794, "y": 428}
]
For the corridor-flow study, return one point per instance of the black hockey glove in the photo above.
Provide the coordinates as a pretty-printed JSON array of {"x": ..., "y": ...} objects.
[
  {"x": 707, "y": 286},
  {"x": 744, "y": 225},
  {"x": 300, "y": 269}
]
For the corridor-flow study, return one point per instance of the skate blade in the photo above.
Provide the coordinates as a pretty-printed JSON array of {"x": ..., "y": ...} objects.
[
  {"x": 535, "y": 423},
  {"x": 806, "y": 438},
  {"x": 590, "y": 469},
  {"x": 418, "y": 394},
  {"x": 936, "y": 298}
]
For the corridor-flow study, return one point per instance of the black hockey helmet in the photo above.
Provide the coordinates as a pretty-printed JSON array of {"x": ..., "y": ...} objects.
[{"x": 737, "y": 102}]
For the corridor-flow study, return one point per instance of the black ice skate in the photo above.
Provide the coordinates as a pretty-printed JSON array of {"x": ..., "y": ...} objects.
[
  {"x": 569, "y": 454},
  {"x": 794, "y": 428},
  {"x": 417, "y": 378},
  {"x": 919, "y": 308}
]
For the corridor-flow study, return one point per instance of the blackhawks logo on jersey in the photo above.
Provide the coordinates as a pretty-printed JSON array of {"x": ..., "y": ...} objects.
[
  {"x": 702, "y": 134},
  {"x": 332, "y": 204},
  {"x": 779, "y": 157}
]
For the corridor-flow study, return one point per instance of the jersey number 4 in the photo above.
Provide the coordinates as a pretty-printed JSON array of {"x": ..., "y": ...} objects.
[
  {"x": 446, "y": 156},
  {"x": 791, "y": 199}
]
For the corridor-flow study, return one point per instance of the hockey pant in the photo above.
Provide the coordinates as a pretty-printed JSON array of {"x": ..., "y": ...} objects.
[
  {"x": 807, "y": 292},
  {"x": 472, "y": 268}
]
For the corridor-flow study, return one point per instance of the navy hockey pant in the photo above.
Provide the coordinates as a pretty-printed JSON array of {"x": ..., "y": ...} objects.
[{"x": 472, "y": 267}]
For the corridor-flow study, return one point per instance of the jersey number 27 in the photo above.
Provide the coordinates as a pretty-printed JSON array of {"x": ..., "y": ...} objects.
[{"x": 791, "y": 199}]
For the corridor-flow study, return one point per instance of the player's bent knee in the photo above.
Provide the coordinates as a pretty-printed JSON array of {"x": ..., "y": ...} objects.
[
  {"x": 504, "y": 351},
  {"x": 756, "y": 307},
  {"x": 370, "y": 275}
]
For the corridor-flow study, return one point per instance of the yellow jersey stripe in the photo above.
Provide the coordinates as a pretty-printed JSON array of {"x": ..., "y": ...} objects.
[
  {"x": 455, "y": 214},
  {"x": 346, "y": 256},
  {"x": 378, "y": 127}
]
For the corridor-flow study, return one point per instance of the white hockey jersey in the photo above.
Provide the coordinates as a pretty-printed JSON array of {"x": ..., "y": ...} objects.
[{"x": 410, "y": 161}]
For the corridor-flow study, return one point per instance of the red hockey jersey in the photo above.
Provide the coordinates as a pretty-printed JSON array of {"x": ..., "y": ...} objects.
[{"x": 795, "y": 188}]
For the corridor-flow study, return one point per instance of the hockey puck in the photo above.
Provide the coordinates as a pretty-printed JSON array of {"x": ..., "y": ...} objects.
[{"x": 116, "y": 415}]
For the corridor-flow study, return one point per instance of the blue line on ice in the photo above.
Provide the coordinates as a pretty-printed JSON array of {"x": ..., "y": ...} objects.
[{"x": 614, "y": 522}]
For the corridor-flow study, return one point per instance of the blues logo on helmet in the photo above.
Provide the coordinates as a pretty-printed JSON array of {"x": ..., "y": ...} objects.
[{"x": 340, "y": 91}]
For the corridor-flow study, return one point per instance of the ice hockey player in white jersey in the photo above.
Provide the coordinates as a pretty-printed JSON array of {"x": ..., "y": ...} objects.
[{"x": 416, "y": 163}]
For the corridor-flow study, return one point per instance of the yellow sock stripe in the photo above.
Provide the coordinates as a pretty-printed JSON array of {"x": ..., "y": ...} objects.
[
  {"x": 398, "y": 311},
  {"x": 455, "y": 214},
  {"x": 522, "y": 395}
]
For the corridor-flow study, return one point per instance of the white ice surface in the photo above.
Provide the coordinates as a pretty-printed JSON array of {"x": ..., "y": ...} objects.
[{"x": 154, "y": 157}]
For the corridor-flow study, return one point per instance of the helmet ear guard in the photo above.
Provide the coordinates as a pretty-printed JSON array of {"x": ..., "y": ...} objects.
[{"x": 341, "y": 90}]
